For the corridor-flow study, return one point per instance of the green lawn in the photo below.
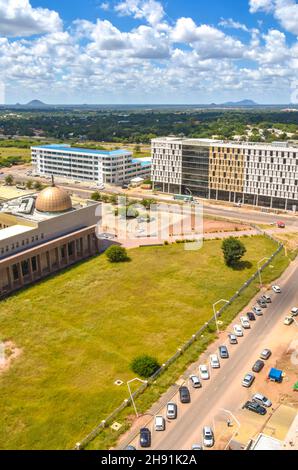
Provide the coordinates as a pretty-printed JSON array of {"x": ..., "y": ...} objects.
[
  {"x": 79, "y": 331},
  {"x": 11, "y": 154}
]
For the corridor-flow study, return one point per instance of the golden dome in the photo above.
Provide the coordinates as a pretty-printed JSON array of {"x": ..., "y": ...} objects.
[{"x": 53, "y": 199}]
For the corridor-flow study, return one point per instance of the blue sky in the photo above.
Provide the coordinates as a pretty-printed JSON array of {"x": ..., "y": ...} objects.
[{"x": 148, "y": 51}]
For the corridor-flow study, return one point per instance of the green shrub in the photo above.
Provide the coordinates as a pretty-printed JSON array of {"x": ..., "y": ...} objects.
[
  {"x": 144, "y": 366},
  {"x": 117, "y": 254}
]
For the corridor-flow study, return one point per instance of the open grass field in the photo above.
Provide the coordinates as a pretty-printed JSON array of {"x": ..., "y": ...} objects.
[
  {"x": 14, "y": 153},
  {"x": 78, "y": 332}
]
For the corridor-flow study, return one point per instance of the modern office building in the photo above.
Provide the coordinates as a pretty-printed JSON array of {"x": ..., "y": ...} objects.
[
  {"x": 251, "y": 173},
  {"x": 99, "y": 166},
  {"x": 42, "y": 234}
]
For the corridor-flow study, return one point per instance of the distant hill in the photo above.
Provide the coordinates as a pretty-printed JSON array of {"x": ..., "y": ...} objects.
[
  {"x": 35, "y": 104},
  {"x": 240, "y": 103}
]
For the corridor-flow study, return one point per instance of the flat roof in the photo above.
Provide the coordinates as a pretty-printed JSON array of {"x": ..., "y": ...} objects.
[
  {"x": 69, "y": 149},
  {"x": 142, "y": 161},
  {"x": 13, "y": 231},
  {"x": 267, "y": 443}
]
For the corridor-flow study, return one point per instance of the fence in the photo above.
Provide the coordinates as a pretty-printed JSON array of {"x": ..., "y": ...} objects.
[{"x": 180, "y": 351}]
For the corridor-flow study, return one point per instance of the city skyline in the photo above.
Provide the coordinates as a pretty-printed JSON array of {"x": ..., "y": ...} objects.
[{"x": 149, "y": 51}]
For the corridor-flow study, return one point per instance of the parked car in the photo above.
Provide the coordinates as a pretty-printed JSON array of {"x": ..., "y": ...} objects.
[
  {"x": 195, "y": 381},
  {"x": 145, "y": 437},
  {"x": 258, "y": 365},
  {"x": 281, "y": 224},
  {"x": 172, "y": 410},
  {"x": 197, "y": 447},
  {"x": 223, "y": 352},
  {"x": 238, "y": 331},
  {"x": 255, "y": 407},
  {"x": 248, "y": 380},
  {"x": 204, "y": 372},
  {"x": 214, "y": 361},
  {"x": 160, "y": 423},
  {"x": 294, "y": 312},
  {"x": 245, "y": 323},
  {"x": 233, "y": 339},
  {"x": 288, "y": 321},
  {"x": 267, "y": 299},
  {"x": 262, "y": 303},
  {"x": 265, "y": 354},
  {"x": 184, "y": 395},
  {"x": 262, "y": 400},
  {"x": 251, "y": 316},
  {"x": 208, "y": 437},
  {"x": 276, "y": 289},
  {"x": 130, "y": 448},
  {"x": 257, "y": 310}
]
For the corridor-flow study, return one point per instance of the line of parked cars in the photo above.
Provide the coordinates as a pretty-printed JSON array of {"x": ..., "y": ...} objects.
[{"x": 259, "y": 402}]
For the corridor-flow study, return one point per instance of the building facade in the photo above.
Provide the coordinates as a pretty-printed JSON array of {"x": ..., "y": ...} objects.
[
  {"x": 42, "y": 234},
  {"x": 115, "y": 167},
  {"x": 251, "y": 173}
]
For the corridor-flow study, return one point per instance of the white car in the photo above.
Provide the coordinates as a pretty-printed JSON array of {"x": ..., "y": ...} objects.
[
  {"x": 288, "y": 321},
  {"x": 214, "y": 361},
  {"x": 204, "y": 372},
  {"x": 294, "y": 312},
  {"x": 195, "y": 381},
  {"x": 238, "y": 331},
  {"x": 262, "y": 400},
  {"x": 245, "y": 323},
  {"x": 208, "y": 437},
  {"x": 276, "y": 289},
  {"x": 160, "y": 423},
  {"x": 257, "y": 310}
]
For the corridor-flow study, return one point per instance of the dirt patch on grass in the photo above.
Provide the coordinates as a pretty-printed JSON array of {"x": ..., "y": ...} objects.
[
  {"x": 8, "y": 353},
  {"x": 215, "y": 226}
]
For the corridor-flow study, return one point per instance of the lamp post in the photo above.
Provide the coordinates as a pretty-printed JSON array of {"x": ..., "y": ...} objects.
[
  {"x": 260, "y": 271},
  {"x": 131, "y": 395},
  {"x": 228, "y": 412},
  {"x": 215, "y": 312}
]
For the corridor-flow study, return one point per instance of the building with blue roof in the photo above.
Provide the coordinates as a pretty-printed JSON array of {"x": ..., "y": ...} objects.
[{"x": 98, "y": 166}]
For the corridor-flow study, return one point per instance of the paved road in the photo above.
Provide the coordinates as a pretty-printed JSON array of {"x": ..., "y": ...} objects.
[
  {"x": 229, "y": 212},
  {"x": 224, "y": 390}
]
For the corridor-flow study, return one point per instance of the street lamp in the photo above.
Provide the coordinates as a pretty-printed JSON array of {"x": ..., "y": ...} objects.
[
  {"x": 260, "y": 271},
  {"x": 131, "y": 395},
  {"x": 216, "y": 313},
  {"x": 237, "y": 422}
]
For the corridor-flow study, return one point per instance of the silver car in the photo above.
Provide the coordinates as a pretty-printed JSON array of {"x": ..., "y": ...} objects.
[
  {"x": 262, "y": 400},
  {"x": 248, "y": 380},
  {"x": 172, "y": 410}
]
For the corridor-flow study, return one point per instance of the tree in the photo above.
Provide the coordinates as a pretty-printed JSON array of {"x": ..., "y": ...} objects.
[
  {"x": 233, "y": 250},
  {"x": 144, "y": 366},
  {"x": 117, "y": 254},
  {"x": 37, "y": 185},
  {"x": 147, "y": 203},
  {"x": 96, "y": 196},
  {"x": 9, "y": 180}
]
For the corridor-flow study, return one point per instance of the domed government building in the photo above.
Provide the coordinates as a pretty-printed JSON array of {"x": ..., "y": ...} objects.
[{"x": 43, "y": 233}]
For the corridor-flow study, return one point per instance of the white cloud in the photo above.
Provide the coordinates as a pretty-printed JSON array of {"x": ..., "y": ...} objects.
[
  {"x": 19, "y": 18},
  {"x": 154, "y": 61},
  {"x": 150, "y": 10},
  {"x": 285, "y": 11},
  {"x": 208, "y": 41}
]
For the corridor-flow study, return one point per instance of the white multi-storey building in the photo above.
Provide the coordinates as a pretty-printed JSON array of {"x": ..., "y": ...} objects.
[
  {"x": 99, "y": 166},
  {"x": 253, "y": 173}
]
